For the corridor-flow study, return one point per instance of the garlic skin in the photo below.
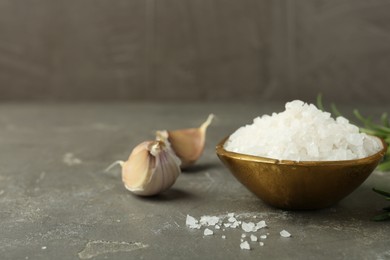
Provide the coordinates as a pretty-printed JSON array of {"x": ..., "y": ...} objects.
[
  {"x": 188, "y": 144},
  {"x": 152, "y": 168}
]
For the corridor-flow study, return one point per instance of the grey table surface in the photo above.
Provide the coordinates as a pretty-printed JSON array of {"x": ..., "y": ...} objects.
[{"x": 54, "y": 208}]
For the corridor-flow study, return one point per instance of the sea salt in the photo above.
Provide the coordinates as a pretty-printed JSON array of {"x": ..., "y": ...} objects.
[
  {"x": 285, "y": 233},
  {"x": 261, "y": 243},
  {"x": 208, "y": 232},
  {"x": 260, "y": 224},
  {"x": 263, "y": 236},
  {"x": 232, "y": 219},
  {"x": 302, "y": 133},
  {"x": 245, "y": 245},
  {"x": 253, "y": 238},
  {"x": 248, "y": 227},
  {"x": 192, "y": 222},
  {"x": 235, "y": 224},
  {"x": 209, "y": 220}
]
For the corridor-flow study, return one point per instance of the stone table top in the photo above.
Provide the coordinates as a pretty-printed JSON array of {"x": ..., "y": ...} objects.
[{"x": 56, "y": 201}]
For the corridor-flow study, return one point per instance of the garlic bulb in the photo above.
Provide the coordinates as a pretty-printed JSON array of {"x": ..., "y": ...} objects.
[
  {"x": 188, "y": 144},
  {"x": 152, "y": 168}
]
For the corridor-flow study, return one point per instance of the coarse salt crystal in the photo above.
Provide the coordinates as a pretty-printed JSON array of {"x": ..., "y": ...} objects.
[
  {"x": 192, "y": 222},
  {"x": 285, "y": 233},
  {"x": 243, "y": 235},
  {"x": 260, "y": 224},
  {"x": 235, "y": 224},
  {"x": 261, "y": 243},
  {"x": 253, "y": 238},
  {"x": 232, "y": 219},
  {"x": 263, "y": 236},
  {"x": 245, "y": 245},
  {"x": 217, "y": 227},
  {"x": 209, "y": 220},
  {"x": 208, "y": 232},
  {"x": 223, "y": 237},
  {"x": 248, "y": 227}
]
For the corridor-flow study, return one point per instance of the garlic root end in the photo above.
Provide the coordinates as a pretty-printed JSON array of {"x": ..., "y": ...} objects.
[
  {"x": 208, "y": 121},
  {"x": 114, "y": 164}
]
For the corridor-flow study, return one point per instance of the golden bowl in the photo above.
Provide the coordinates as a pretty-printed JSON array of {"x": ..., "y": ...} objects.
[{"x": 296, "y": 185}]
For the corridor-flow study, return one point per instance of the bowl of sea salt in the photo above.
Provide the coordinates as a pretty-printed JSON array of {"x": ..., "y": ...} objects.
[{"x": 301, "y": 158}]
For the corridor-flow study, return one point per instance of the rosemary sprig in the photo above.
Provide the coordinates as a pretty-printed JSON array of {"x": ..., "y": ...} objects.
[
  {"x": 385, "y": 215},
  {"x": 369, "y": 127}
]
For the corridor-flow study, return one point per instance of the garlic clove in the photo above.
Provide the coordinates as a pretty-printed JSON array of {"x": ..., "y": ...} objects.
[
  {"x": 188, "y": 144},
  {"x": 152, "y": 168}
]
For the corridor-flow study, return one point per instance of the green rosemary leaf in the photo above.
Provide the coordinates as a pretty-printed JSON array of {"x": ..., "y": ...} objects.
[
  {"x": 381, "y": 192},
  {"x": 319, "y": 102},
  {"x": 382, "y": 217},
  {"x": 385, "y": 120},
  {"x": 335, "y": 111},
  {"x": 366, "y": 121},
  {"x": 385, "y": 166}
]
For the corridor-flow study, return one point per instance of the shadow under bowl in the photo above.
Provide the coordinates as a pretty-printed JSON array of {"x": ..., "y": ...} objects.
[{"x": 300, "y": 185}]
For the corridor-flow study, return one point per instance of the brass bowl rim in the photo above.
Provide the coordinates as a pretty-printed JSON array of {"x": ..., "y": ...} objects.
[{"x": 220, "y": 150}]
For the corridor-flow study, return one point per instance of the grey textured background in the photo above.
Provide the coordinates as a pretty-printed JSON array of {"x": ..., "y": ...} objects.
[{"x": 56, "y": 50}]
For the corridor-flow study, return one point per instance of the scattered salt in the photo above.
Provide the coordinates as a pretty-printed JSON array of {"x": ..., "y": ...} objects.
[
  {"x": 245, "y": 245},
  {"x": 192, "y": 222},
  {"x": 248, "y": 227},
  {"x": 253, "y": 238},
  {"x": 302, "y": 133},
  {"x": 208, "y": 232},
  {"x": 209, "y": 220},
  {"x": 216, "y": 221},
  {"x": 285, "y": 233},
  {"x": 43, "y": 248},
  {"x": 260, "y": 224},
  {"x": 235, "y": 224},
  {"x": 232, "y": 219}
]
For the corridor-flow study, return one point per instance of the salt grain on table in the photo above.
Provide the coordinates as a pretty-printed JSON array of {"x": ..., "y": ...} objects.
[
  {"x": 209, "y": 220},
  {"x": 232, "y": 219},
  {"x": 260, "y": 224},
  {"x": 253, "y": 238},
  {"x": 263, "y": 236},
  {"x": 285, "y": 233},
  {"x": 191, "y": 222},
  {"x": 208, "y": 232},
  {"x": 248, "y": 227},
  {"x": 245, "y": 245}
]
